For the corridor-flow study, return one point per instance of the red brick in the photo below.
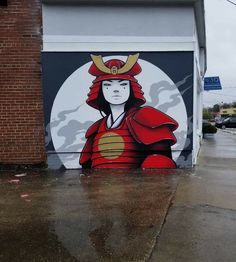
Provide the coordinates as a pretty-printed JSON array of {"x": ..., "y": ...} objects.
[{"x": 21, "y": 105}]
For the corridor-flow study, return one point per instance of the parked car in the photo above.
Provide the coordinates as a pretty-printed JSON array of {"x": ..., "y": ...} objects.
[
  {"x": 227, "y": 122},
  {"x": 220, "y": 119}
]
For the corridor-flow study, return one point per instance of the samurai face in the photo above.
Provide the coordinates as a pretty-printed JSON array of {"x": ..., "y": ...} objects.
[
  {"x": 115, "y": 83},
  {"x": 116, "y": 92}
]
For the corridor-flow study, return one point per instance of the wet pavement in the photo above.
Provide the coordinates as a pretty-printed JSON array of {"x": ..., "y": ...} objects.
[
  {"x": 201, "y": 223},
  {"x": 123, "y": 215},
  {"x": 94, "y": 216}
]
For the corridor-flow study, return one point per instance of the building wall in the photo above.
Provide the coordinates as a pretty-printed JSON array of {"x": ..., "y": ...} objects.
[
  {"x": 72, "y": 29},
  {"x": 199, "y": 58},
  {"x": 21, "y": 112},
  {"x": 166, "y": 32},
  {"x": 103, "y": 28},
  {"x": 228, "y": 111},
  {"x": 118, "y": 20}
]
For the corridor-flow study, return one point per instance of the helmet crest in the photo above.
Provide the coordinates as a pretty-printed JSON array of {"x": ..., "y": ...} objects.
[{"x": 114, "y": 70}]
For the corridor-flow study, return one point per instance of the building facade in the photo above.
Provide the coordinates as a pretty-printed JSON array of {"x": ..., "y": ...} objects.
[
  {"x": 157, "y": 48},
  {"x": 228, "y": 111}
]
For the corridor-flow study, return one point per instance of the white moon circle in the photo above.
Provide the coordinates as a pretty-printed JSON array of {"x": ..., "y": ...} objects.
[{"x": 73, "y": 116}]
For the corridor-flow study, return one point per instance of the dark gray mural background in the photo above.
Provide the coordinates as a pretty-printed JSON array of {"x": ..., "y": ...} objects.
[{"x": 58, "y": 66}]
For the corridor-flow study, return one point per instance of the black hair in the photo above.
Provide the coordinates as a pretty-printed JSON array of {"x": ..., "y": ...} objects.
[{"x": 104, "y": 106}]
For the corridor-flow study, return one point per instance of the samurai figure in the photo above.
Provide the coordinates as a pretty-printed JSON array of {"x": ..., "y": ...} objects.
[{"x": 128, "y": 135}]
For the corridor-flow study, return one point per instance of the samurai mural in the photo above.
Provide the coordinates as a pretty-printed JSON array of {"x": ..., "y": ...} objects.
[{"x": 128, "y": 135}]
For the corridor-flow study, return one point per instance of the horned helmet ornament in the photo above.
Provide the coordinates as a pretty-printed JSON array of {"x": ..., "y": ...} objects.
[{"x": 114, "y": 70}]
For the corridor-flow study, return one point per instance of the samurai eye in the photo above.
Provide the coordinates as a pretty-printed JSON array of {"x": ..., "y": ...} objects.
[
  {"x": 106, "y": 84},
  {"x": 123, "y": 84}
]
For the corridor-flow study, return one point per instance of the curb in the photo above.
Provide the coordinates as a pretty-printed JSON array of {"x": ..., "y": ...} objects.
[{"x": 229, "y": 131}]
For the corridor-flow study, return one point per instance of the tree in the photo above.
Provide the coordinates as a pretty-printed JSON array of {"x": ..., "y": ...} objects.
[
  {"x": 216, "y": 108},
  {"x": 226, "y": 105},
  {"x": 206, "y": 114},
  {"x": 234, "y": 104}
]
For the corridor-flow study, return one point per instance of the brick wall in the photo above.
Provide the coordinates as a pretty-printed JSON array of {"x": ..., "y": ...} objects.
[{"x": 21, "y": 104}]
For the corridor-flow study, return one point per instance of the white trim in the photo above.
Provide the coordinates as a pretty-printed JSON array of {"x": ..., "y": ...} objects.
[
  {"x": 194, "y": 149},
  {"x": 114, "y": 39},
  {"x": 96, "y": 47},
  {"x": 70, "y": 43}
]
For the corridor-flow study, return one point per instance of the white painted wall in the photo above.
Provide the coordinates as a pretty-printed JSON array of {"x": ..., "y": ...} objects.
[
  {"x": 116, "y": 28},
  {"x": 198, "y": 93},
  {"x": 118, "y": 20}
]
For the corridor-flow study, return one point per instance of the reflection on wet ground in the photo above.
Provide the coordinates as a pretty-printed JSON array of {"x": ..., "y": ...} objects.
[{"x": 106, "y": 215}]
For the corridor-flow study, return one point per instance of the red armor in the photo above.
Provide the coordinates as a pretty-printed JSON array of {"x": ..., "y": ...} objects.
[{"x": 143, "y": 139}]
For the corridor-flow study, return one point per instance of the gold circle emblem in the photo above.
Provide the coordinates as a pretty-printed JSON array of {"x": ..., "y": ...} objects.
[
  {"x": 114, "y": 70},
  {"x": 111, "y": 145}
]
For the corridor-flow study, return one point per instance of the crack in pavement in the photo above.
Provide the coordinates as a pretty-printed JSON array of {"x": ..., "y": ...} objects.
[{"x": 155, "y": 244}]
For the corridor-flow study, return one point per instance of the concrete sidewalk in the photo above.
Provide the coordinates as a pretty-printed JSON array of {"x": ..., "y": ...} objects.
[
  {"x": 201, "y": 224},
  {"x": 120, "y": 215}
]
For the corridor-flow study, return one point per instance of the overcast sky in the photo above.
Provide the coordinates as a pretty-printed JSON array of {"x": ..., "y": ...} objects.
[{"x": 221, "y": 49}]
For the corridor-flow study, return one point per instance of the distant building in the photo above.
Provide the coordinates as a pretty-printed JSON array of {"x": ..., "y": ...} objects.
[{"x": 228, "y": 111}]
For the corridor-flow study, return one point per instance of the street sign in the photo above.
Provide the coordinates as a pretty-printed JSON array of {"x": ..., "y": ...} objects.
[{"x": 212, "y": 83}]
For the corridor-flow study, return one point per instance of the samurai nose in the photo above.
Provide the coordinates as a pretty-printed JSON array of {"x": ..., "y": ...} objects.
[{"x": 116, "y": 91}]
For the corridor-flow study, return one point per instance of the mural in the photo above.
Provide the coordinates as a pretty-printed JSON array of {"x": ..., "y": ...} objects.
[
  {"x": 129, "y": 136},
  {"x": 118, "y": 110}
]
